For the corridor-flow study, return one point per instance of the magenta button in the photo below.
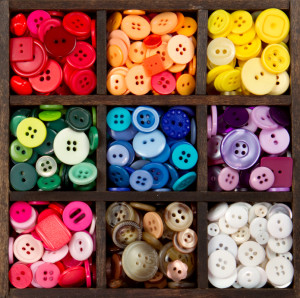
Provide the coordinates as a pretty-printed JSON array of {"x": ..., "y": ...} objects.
[
  {"x": 20, "y": 211},
  {"x": 35, "y": 19}
]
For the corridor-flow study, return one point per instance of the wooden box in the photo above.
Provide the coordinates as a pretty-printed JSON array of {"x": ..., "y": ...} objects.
[{"x": 100, "y": 99}]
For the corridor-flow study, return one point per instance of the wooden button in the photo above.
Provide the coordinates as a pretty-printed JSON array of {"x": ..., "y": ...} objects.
[
  {"x": 116, "y": 84},
  {"x": 185, "y": 84},
  {"x": 153, "y": 224},
  {"x": 135, "y": 27},
  {"x": 137, "y": 52},
  {"x": 121, "y": 45},
  {"x": 163, "y": 23},
  {"x": 137, "y": 81},
  {"x": 180, "y": 49},
  {"x": 114, "y": 21},
  {"x": 114, "y": 56},
  {"x": 162, "y": 51},
  {"x": 189, "y": 27}
]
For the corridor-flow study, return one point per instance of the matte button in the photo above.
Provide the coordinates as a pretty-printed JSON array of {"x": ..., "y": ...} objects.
[
  {"x": 114, "y": 21},
  {"x": 261, "y": 178},
  {"x": 185, "y": 84},
  {"x": 79, "y": 119},
  {"x": 280, "y": 115},
  {"x": 72, "y": 277},
  {"x": 189, "y": 27},
  {"x": 23, "y": 177},
  {"x": 118, "y": 119},
  {"x": 21, "y": 49},
  {"x": 236, "y": 116},
  {"x": 137, "y": 81},
  {"x": 261, "y": 117},
  {"x": 47, "y": 25},
  {"x": 20, "y": 211},
  {"x": 47, "y": 146},
  {"x": 184, "y": 156},
  {"x": 228, "y": 179},
  {"x": 20, "y": 276},
  {"x": 159, "y": 173},
  {"x": 221, "y": 264},
  {"x": 49, "y": 183},
  {"x": 50, "y": 115},
  {"x": 136, "y": 27},
  {"x": 180, "y": 49},
  {"x": 163, "y": 83},
  {"x": 47, "y": 275},
  {"x": 141, "y": 180},
  {"x": 83, "y": 173},
  {"x": 19, "y": 153},
  {"x": 163, "y": 23},
  {"x": 221, "y": 51},
  {"x": 81, "y": 246}
]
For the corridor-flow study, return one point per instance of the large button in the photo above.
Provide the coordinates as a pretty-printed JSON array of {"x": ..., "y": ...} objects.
[
  {"x": 77, "y": 23},
  {"x": 163, "y": 23},
  {"x": 47, "y": 25},
  {"x": 137, "y": 81},
  {"x": 18, "y": 152},
  {"x": 248, "y": 277},
  {"x": 189, "y": 27},
  {"x": 117, "y": 212},
  {"x": 219, "y": 21},
  {"x": 221, "y": 263},
  {"x": 136, "y": 27},
  {"x": 79, "y": 119},
  {"x": 280, "y": 225},
  {"x": 236, "y": 216},
  {"x": 81, "y": 246},
  {"x": 222, "y": 242},
  {"x": 46, "y": 166},
  {"x": 251, "y": 253},
  {"x": 280, "y": 271},
  {"x": 83, "y": 173},
  {"x": 23, "y": 177},
  {"x": 221, "y": 51},
  {"x": 20, "y": 276},
  {"x": 180, "y": 49},
  {"x": 242, "y": 21}
]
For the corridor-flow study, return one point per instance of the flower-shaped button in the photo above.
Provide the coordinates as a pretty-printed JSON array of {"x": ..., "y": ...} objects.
[
  {"x": 141, "y": 180},
  {"x": 261, "y": 178},
  {"x": 177, "y": 270}
]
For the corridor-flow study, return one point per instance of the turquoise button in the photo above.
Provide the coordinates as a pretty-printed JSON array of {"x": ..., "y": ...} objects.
[
  {"x": 184, "y": 181},
  {"x": 23, "y": 177},
  {"x": 83, "y": 173},
  {"x": 184, "y": 156},
  {"x": 16, "y": 118},
  {"x": 49, "y": 183},
  {"x": 118, "y": 119}
]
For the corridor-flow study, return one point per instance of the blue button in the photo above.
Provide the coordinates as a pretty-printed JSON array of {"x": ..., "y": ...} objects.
[
  {"x": 125, "y": 135},
  {"x": 145, "y": 119},
  {"x": 193, "y": 131},
  {"x": 187, "y": 110},
  {"x": 118, "y": 189},
  {"x": 164, "y": 156},
  {"x": 118, "y": 119},
  {"x": 138, "y": 164},
  {"x": 149, "y": 145},
  {"x": 185, "y": 181},
  {"x": 176, "y": 124},
  {"x": 141, "y": 180},
  {"x": 118, "y": 175},
  {"x": 173, "y": 175},
  {"x": 129, "y": 170},
  {"x": 159, "y": 173},
  {"x": 184, "y": 156},
  {"x": 120, "y": 153},
  {"x": 162, "y": 190}
]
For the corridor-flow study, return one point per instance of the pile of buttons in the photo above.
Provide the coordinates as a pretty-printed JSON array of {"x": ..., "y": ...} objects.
[
  {"x": 153, "y": 51},
  {"x": 258, "y": 43},
  {"x": 53, "y": 53},
  {"x": 52, "y": 148},
  {"x": 53, "y": 244},
  {"x": 252, "y": 144},
  {"x": 249, "y": 245},
  {"x": 150, "y": 246},
  {"x": 145, "y": 157}
]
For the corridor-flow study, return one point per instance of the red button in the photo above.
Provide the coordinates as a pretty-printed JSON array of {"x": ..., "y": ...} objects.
[
  {"x": 49, "y": 79},
  {"x": 153, "y": 41},
  {"x": 72, "y": 277},
  {"x": 20, "y": 276},
  {"x": 55, "y": 13},
  {"x": 57, "y": 207},
  {"x": 20, "y": 86},
  {"x": 69, "y": 261},
  {"x": 46, "y": 26},
  {"x": 163, "y": 83},
  {"x": 83, "y": 56},
  {"x": 45, "y": 213},
  {"x": 21, "y": 49},
  {"x": 68, "y": 70},
  {"x": 93, "y": 33},
  {"x": 63, "y": 89},
  {"x": 77, "y": 23},
  {"x": 18, "y": 25},
  {"x": 35, "y": 66},
  {"x": 59, "y": 42},
  {"x": 83, "y": 82}
]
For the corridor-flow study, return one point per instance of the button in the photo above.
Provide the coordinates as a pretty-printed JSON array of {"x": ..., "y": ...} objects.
[
  {"x": 49, "y": 183},
  {"x": 189, "y": 27},
  {"x": 159, "y": 173},
  {"x": 46, "y": 166},
  {"x": 23, "y": 177},
  {"x": 49, "y": 115},
  {"x": 137, "y": 52},
  {"x": 35, "y": 19},
  {"x": 154, "y": 65},
  {"x": 152, "y": 41},
  {"x": 136, "y": 27},
  {"x": 118, "y": 154},
  {"x": 47, "y": 275},
  {"x": 20, "y": 276},
  {"x": 236, "y": 216},
  {"x": 236, "y": 116},
  {"x": 216, "y": 212},
  {"x": 163, "y": 52},
  {"x": 242, "y": 21},
  {"x": 79, "y": 119},
  {"x": 248, "y": 277},
  {"x": 47, "y": 146},
  {"x": 83, "y": 56},
  {"x": 280, "y": 115},
  {"x": 81, "y": 246},
  {"x": 225, "y": 227},
  {"x": 20, "y": 211},
  {"x": 185, "y": 84},
  {"x": 118, "y": 212},
  {"x": 18, "y": 24},
  {"x": 261, "y": 117},
  {"x": 258, "y": 225},
  {"x": 137, "y": 81},
  {"x": 279, "y": 208},
  {"x": 119, "y": 34},
  {"x": 261, "y": 178},
  {"x": 184, "y": 156},
  {"x": 150, "y": 239},
  {"x": 212, "y": 178},
  {"x": 118, "y": 175},
  {"x": 251, "y": 253},
  {"x": 163, "y": 23},
  {"x": 114, "y": 21},
  {"x": 221, "y": 264},
  {"x": 228, "y": 179},
  {"x": 221, "y": 51},
  {"x": 19, "y": 153},
  {"x": 21, "y": 49},
  {"x": 55, "y": 256},
  {"x": 46, "y": 25},
  {"x": 114, "y": 56},
  {"x": 180, "y": 49},
  {"x": 163, "y": 83},
  {"x": 118, "y": 119},
  {"x": 141, "y": 180},
  {"x": 145, "y": 119},
  {"x": 77, "y": 23},
  {"x": 282, "y": 84},
  {"x": 280, "y": 271},
  {"x": 187, "y": 241},
  {"x": 184, "y": 181},
  {"x": 121, "y": 45},
  {"x": 219, "y": 22},
  {"x": 71, "y": 147},
  {"x": 282, "y": 245},
  {"x": 177, "y": 270},
  {"x": 214, "y": 147},
  {"x": 242, "y": 235},
  {"x": 242, "y": 38},
  {"x": 72, "y": 277},
  {"x": 153, "y": 224},
  {"x": 223, "y": 283},
  {"x": 20, "y": 86},
  {"x": 280, "y": 225},
  {"x": 213, "y": 73},
  {"x": 83, "y": 173}
]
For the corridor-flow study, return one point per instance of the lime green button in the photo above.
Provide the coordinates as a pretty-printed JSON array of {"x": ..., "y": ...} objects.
[
  {"x": 49, "y": 183},
  {"x": 49, "y": 115},
  {"x": 18, "y": 152},
  {"x": 94, "y": 116},
  {"x": 51, "y": 107},
  {"x": 83, "y": 173},
  {"x": 93, "y": 138}
]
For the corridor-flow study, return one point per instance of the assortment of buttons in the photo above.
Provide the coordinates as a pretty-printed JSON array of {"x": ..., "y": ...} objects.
[
  {"x": 151, "y": 148},
  {"x": 153, "y": 51},
  {"x": 150, "y": 243},
  {"x": 248, "y": 53},
  {"x": 53, "y": 53},
  {"x": 248, "y": 148},
  {"x": 52, "y": 244},
  {"x": 53, "y": 148},
  {"x": 249, "y": 245}
]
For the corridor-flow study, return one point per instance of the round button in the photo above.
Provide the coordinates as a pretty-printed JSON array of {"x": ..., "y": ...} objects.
[
  {"x": 242, "y": 21},
  {"x": 116, "y": 84},
  {"x": 49, "y": 183},
  {"x": 280, "y": 115},
  {"x": 114, "y": 56},
  {"x": 136, "y": 27},
  {"x": 46, "y": 166},
  {"x": 261, "y": 117},
  {"x": 118, "y": 212},
  {"x": 47, "y": 275},
  {"x": 282, "y": 84},
  {"x": 118, "y": 175},
  {"x": 228, "y": 179},
  {"x": 216, "y": 212},
  {"x": 163, "y": 83},
  {"x": 19, "y": 153},
  {"x": 47, "y": 25},
  {"x": 20, "y": 211},
  {"x": 189, "y": 27},
  {"x": 83, "y": 56},
  {"x": 137, "y": 52},
  {"x": 236, "y": 216},
  {"x": 261, "y": 178},
  {"x": 248, "y": 277},
  {"x": 185, "y": 84},
  {"x": 221, "y": 51},
  {"x": 153, "y": 224},
  {"x": 280, "y": 246},
  {"x": 81, "y": 246},
  {"x": 163, "y": 53},
  {"x": 219, "y": 22},
  {"x": 79, "y": 119},
  {"x": 181, "y": 49},
  {"x": 187, "y": 240},
  {"x": 141, "y": 180},
  {"x": 251, "y": 253},
  {"x": 159, "y": 173},
  {"x": 35, "y": 19},
  {"x": 242, "y": 38},
  {"x": 258, "y": 225},
  {"x": 77, "y": 23},
  {"x": 221, "y": 263},
  {"x": 145, "y": 119},
  {"x": 20, "y": 276},
  {"x": 280, "y": 225},
  {"x": 184, "y": 181},
  {"x": 83, "y": 173},
  {"x": 137, "y": 81},
  {"x": 280, "y": 271},
  {"x": 152, "y": 41},
  {"x": 55, "y": 256},
  {"x": 118, "y": 119},
  {"x": 121, "y": 45},
  {"x": 236, "y": 116},
  {"x": 222, "y": 242},
  {"x": 72, "y": 277},
  {"x": 23, "y": 177},
  {"x": 184, "y": 156},
  {"x": 114, "y": 21},
  {"x": 163, "y": 23}
]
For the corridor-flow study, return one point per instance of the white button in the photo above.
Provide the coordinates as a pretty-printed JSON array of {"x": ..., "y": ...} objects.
[
  {"x": 71, "y": 147},
  {"x": 261, "y": 210},
  {"x": 263, "y": 277},
  {"x": 216, "y": 212},
  {"x": 245, "y": 205},
  {"x": 221, "y": 263},
  {"x": 280, "y": 208},
  {"x": 236, "y": 216},
  {"x": 242, "y": 235},
  {"x": 46, "y": 166},
  {"x": 280, "y": 271},
  {"x": 93, "y": 225},
  {"x": 222, "y": 283},
  {"x": 281, "y": 245},
  {"x": 280, "y": 225},
  {"x": 213, "y": 229},
  {"x": 81, "y": 246},
  {"x": 257, "y": 225},
  {"x": 221, "y": 51},
  {"x": 55, "y": 256},
  {"x": 248, "y": 277},
  {"x": 225, "y": 227},
  {"x": 251, "y": 253},
  {"x": 262, "y": 237},
  {"x": 222, "y": 242}
]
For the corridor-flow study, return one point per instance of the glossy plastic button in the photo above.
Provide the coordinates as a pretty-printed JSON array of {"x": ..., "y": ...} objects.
[
  {"x": 221, "y": 51},
  {"x": 163, "y": 83},
  {"x": 83, "y": 82},
  {"x": 228, "y": 179},
  {"x": 81, "y": 246},
  {"x": 46, "y": 166},
  {"x": 77, "y": 23},
  {"x": 47, "y": 275},
  {"x": 72, "y": 277},
  {"x": 159, "y": 173},
  {"x": 261, "y": 117},
  {"x": 136, "y": 27},
  {"x": 163, "y": 23},
  {"x": 35, "y": 19},
  {"x": 83, "y": 173},
  {"x": 184, "y": 156},
  {"x": 145, "y": 119},
  {"x": 79, "y": 119},
  {"x": 180, "y": 49},
  {"x": 23, "y": 177},
  {"x": 19, "y": 153},
  {"x": 137, "y": 81},
  {"x": 20, "y": 276},
  {"x": 118, "y": 119},
  {"x": 20, "y": 211},
  {"x": 118, "y": 175},
  {"x": 83, "y": 56},
  {"x": 141, "y": 180}
]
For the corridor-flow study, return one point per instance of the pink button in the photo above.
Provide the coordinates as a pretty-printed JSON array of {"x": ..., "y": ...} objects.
[
  {"x": 55, "y": 256},
  {"x": 228, "y": 179},
  {"x": 20, "y": 211},
  {"x": 250, "y": 125},
  {"x": 20, "y": 276},
  {"x": 34, "y": 268},
  {"x": 28, "y": 224},
  {"x": 88, "y": 273},
  {"x": 177, "y": 270},
  {"x": 282, "y": 168},
  {"x": 163, "y": 83},
  {"x": 214, "y": 121},
  {"x": 261, "y": 117},
  {"x": 77, "y": 216},
  {"x": 47, "y": 275},
  {"x": 11, "y": 250},
  {"x": 83, "y": 82},
  {"x": 35, "y": 19},
  {"x": 46, "y": 26},
  {"x": 39, "y": 203},
  {"x": 261, "y": 178},
  {"x": 81, "y": 246},
  {"x": 83, "y": 56},
  {"x": 274, "y": 141},
  {"x": 21, "y": 49},
  {"x": 209, "y": 126},
  {"x": 69, "y": 261}
]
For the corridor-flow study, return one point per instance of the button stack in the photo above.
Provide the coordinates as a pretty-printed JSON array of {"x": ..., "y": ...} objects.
[
  {"x": 151, "y": 246},
  {"x": 53, "y": 53},
  {"x": 52, "y": 148},
  {"x": 249, "y": 245},
  {"x": 252, "y": 144},
  {"x": 151, "y": 52},
  {"x": 258, "y": 43},
  {"x": 53, "y": 243},
  {"x": 144, "y": 156}
]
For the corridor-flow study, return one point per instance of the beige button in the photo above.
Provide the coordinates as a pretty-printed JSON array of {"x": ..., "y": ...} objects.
[
  {"x": 150, "y": 239},
  {"x": 116, "y": 84},
  {"x": 282, "y": 84},
  {"x": 137, "y": 52},
  {"x": 180, "y": 49},
  {"x": 136, "y": 27},
  {"x": 142, "y": 206},
  {"x": 162, "y": 51},
  {"x": 119, "y": 34},
  {"x": 121, "y": 45},
  {"x": 137, "y": 81},
  {"x": 187, "y": 239},
  {"x": 118, "y": 70},
  {"x": 163, "y": 23},
  {"x": 261, "y": 210},
  {"x": 221, "y": 51},
  {"x": 166, "y": 38},
  {"x": 177, "y": 270},
  {"x": 153, "y": 224}
]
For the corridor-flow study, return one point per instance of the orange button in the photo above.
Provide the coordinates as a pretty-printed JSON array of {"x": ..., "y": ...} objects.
[
  {"x": 135, "y": 27},
  {"x": 180, "y": 49},
  {"x": 118, "y": 70},
  {"x": 114, "y": 21},
  {"x": 137, "y": 81},
  {"x": 116, "y": 84},
  {"x": 153, "y": 65},
  {"x": 114, "y": 56},
  {"x": 175, "y": 68},
  {"x": 189, "y": 27},
  {"x": 134, "y": 12},
  {"x": 163, "y": 23},
  {"x": 153, "y": 224},
  {"x": 185, "y": 84},
  {"x": 121, "y": 45},
  {"x": 180, "y": 21},
  {"x": 137, "y": 52},
  {"x": 162, "y": 51},
  {"x": 119, "y": 34},
  {"x": 192, "y": 66},
  {"x": 130, "y": 64}
]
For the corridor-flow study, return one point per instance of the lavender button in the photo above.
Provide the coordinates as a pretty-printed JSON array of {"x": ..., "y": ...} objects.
[{"x": 213, "y": 147}]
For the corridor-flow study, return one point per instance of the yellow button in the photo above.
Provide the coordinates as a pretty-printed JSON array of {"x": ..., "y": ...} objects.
[
  {"x": 137, "y": 52},
  {"x": 185, "y": 84},
  {"x": 134, "y": 12},
  {"x": 256, "y": 79},
  {"x": 219, "y": 22},
  {"x": 242, "y": 38},
  {"x": 189, "y": 27},
  {"x": 275, "y": 58},
  {"x": 221, "y": 51},
  {"x": 282, "y": 84},
  {"x": 31, "y": 132},
  {"x": 272, "y": 25},
  {"x": 249, "y": 50},
  {"x": 242, "y": 21},
  {"x": 241, "y": 63},
  {"x": 136, "y": 27},
  {"x": 211, "y": 66},
  {"x": 223, "y": 34},
  {"x": 114, "y": 56},
  {"x": 212, "y": 74},
  {"x": 192, "y": 66},
  {"x": 228, "y": 81},
  {"x": 285, "y": 45},
  {"x": 114, "y": 21}
]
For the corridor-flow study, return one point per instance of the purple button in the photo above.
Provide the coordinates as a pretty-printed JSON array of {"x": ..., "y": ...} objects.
[
  {"x": 240, "y": 149},
  {"x": 223, "y": 127},
  {"x": 244, "y": 178},
  {"x": 261, "y": 117},
  {"x": 213, "y": 147},
  {"x": 208, "y": 126},
  {"x": 278, "y": 189},
  {"x": 280, "y": 115},
  {"x": 261, "y": 178},
  {"x": 212, "y": 178},
  {"x": 214, "y": 120},
  {"x": 236, "y": 116}
]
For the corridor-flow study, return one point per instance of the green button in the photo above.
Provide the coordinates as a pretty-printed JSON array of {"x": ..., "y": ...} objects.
[
  {"x": 35, "y": 113},
  {"x": 87, "y": 187},
  {"x": 51, "y": 107},
  {"x": 18, "y": 152},
  {"x": 14, "y": 122},
  {"x": 21, "y": 112},
  {"x": 94, "y": 116},
  {"x": 49, "y": 115},
  {"x": 49, "y": 183},
  {"x": 93, "y": 138},
  {"x": 83, "y": 173},
  {"x": 57, "y": 125},
  {"x": 79, "y": 119},
  {"x": 89, "y": 160},
  {"x": 23, "y": 177},
  {"x": 46, "y": 147}
]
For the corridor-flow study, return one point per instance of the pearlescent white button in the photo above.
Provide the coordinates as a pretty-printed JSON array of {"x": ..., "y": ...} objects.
[
  {"x": 280, "y": 271},
  {"x": 280, "y": 208},
  {"x": 222, "y": 242},
  {"x": 263, "y": 277},
  {"x": 213, "y": 229},
  {"x": 257, "y": 225},
  {"x": 242, "y": 235},
  {"x": 236, "y": 216},
  {"x": 81, "y": 246},
  {"x": 225, "y": 227},
  {"x": 248, "y": 277},
  {"x": 280, "y": 245},
  {"x": 216, "y": 212},
  {"x": 222, "y": 283},
  {"x": 221, "y": 263},
  {"x": 280, "y": 225},
  {"x": 262, "y": 237},
  {"x": 46, "y": 166},
  {"x": 261, "y": 210},
  {"x": 251, "y": 253},
  {"x": 55, "y": 256}
]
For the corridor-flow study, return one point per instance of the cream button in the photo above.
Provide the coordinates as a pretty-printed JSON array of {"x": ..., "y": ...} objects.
[
  {"x": 280, "y": 271},
  {"x": 251, "y": 253},
  {"x": 221, "y": 51},
  {"x": 221, "y": 264}
]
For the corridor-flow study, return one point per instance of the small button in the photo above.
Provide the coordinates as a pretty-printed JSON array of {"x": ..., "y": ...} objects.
[
  {"x": 184, "y": 181},
  {"x": 228, "y": 179},
  {"x": 145, "y": 119},
  {"x": 20, "y": 211},
  {"x": 159, "y": 173},
  {"x": 118, "y": 212},
  {"x": 114, "y": 21},
  {"x": 177, "y": 270},
  {"x": 77, "y": 23},
  {"x": 219, "y": 22},
  {"x": 163, "y": 83},
  {"x": 118, "y": 175},
  {"x": 81, "y": 246},
  {"x": 236, "y": 116},
  {"x": 184, "y": 156},
  {"x": 251, "y": 253},
  {"x": 261, "y": 178},
  {"x": 83, "y": 56},
  {"x": 153, "y": 224},
  {"x": 123, "y": 48},
  {"x": 35, "y": 19},
  {"x": 23, "y": 177},
  {"x": 282, "y": 84},
  {"x": 280, "y": 225},
  {"x": 189, "y": 27},
  {"x": 46, "y": 166},
  {"x": 280, "y": 115},
  {"x": 19, "y": 153},
  {"x": 118, "y": 119}
]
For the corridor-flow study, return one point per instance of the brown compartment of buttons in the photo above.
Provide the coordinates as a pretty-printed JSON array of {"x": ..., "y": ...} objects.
[{"x": 201, "y": 198}]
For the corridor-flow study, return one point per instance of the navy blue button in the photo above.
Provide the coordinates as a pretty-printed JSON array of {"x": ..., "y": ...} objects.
[
  {"x": 125, "y": 135},
  {"x": 145, "y": 119},
  {"x": 141, "y": 180},
  {"x": 173, "y": 175},
  {"x": 193, "y": 131},
  {"x": 187, "y": 110},
  {"x": 118, "y": 189},
  {"x": 164, "y": 156},
  {"x": 159, "y": 173},
  {"x": 118, "y": 175},
  {"x": 176, "y": 124}
]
